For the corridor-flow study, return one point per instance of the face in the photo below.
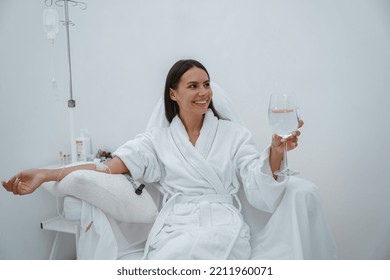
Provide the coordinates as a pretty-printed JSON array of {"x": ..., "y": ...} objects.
[{"x": 193, "y": 93}]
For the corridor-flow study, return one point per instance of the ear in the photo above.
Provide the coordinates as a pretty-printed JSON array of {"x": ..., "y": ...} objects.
[{"x": 172, "y": 94}]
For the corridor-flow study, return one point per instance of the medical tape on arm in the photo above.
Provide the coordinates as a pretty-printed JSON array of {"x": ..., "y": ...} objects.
[{"x": 102, "y": 167}]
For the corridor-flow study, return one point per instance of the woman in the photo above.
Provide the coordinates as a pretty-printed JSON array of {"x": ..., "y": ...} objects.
[{"x": 200, "y": 161}]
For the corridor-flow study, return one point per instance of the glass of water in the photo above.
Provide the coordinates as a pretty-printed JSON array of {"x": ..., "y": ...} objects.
[{"x": 283, "y": 117}]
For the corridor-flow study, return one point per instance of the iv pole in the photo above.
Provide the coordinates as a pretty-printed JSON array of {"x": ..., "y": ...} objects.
[{"x": 71, "y": 101}]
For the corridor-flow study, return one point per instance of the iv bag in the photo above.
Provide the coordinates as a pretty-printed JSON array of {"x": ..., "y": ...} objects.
[{"x": 50, "y": 23}]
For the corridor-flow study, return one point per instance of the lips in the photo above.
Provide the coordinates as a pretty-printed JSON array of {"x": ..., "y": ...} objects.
[{"x": 200, "y": 101}]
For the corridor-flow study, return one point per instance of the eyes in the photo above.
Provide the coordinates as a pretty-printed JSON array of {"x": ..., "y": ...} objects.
[{"x": 195, "y": 85}]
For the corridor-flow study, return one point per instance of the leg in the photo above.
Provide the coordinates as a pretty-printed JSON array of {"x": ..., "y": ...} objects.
[{"x": 297, "y": 229}]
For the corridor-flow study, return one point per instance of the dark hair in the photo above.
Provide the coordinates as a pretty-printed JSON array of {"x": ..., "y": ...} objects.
[{"x": 172, "y": 81}]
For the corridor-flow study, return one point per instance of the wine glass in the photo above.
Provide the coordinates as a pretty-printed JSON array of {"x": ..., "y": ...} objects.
[{"x": 283, "y": 117}]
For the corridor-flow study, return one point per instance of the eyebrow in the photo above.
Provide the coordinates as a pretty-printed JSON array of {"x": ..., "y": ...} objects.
[{"x": 195, "y": 82}]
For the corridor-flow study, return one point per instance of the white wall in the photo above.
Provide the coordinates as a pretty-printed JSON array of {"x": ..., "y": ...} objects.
[{"x": 335, "y": 55}]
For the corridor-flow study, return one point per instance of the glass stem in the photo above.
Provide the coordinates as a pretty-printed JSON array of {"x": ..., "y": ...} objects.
[{"x": 285, "y": 156}]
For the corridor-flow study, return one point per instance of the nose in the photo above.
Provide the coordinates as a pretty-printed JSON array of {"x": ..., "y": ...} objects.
[{"x": 205, "y": 91}]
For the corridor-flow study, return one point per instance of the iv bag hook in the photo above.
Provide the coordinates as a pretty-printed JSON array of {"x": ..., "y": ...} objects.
[{"x": 83, "y": 6}]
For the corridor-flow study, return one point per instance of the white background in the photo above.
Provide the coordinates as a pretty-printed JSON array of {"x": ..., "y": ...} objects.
[{"x": 333, "y": 54}]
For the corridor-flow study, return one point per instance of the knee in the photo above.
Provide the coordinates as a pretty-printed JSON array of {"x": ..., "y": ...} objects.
[
  {"x": 299, "y": 185},
  {"x": 303, "y": 192}
]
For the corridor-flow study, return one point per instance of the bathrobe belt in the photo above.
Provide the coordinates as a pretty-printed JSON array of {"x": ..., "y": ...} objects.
[
  {"x": 217, "y": 198},
  {"x": 205, "y": 210}
]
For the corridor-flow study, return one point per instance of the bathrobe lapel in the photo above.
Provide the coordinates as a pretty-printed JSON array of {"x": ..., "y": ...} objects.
[{"x": 196, "y": 156}]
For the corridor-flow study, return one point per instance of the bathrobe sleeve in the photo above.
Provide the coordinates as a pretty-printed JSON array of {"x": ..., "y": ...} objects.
[
  {"x": 140, "y": 158},
  {"x": 254, "y": 172}
]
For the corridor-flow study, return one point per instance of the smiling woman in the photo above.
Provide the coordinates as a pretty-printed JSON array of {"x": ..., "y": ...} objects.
[
  {"x": 200, "y": 162},
  {"x": 334, "y": 54}
]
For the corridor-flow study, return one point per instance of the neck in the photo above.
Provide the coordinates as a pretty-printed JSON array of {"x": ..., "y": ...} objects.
[{"x": 193, "y": 125}]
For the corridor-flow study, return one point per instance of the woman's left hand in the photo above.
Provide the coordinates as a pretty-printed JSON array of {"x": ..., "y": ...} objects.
[{"x": 277, "y": 144}]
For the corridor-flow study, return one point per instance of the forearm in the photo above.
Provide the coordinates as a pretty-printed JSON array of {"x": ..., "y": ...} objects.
[
  {"x": 275, "y": 160},
  {"x": 58, "y": 174},
  {"x": 114, "y": 166}
]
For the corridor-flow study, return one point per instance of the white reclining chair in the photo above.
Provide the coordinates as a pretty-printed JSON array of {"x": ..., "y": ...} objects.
[{"x": 110, "y": 221}]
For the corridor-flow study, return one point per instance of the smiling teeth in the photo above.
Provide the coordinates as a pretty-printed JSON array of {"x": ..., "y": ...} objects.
[{"x": 200, "y": 102}]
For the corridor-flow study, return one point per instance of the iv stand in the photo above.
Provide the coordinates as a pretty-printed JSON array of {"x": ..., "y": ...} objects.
[
  {"x": 67, "y": 22},
  {"x": 71, "y": 101}
]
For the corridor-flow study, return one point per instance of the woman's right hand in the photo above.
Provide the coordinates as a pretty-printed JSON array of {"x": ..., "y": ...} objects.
[{"x": 25, "y": 182}]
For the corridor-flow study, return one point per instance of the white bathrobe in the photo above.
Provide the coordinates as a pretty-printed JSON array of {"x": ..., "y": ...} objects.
[{"x": 201, "y": 218}]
